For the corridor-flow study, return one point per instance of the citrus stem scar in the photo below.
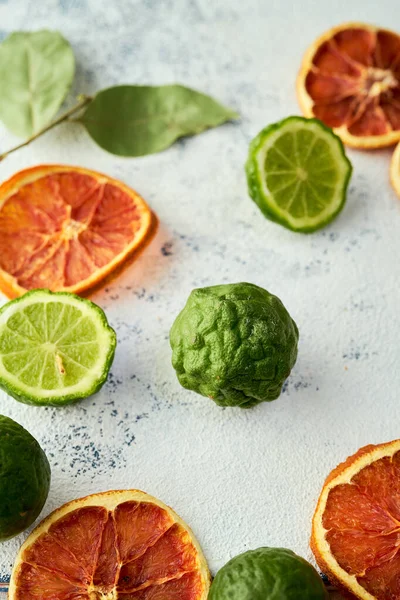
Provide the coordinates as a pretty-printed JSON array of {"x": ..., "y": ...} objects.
[{"x": 83, "y": 101}]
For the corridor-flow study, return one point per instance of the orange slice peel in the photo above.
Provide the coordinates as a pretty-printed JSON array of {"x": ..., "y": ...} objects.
[
  {"x": 350, "y": 80},
  {"x": 68, "y": 229},
  {"x": 395, "y": 170},
  {"x": 356, "y": 525},
  {"x": 117, "y": 545}
]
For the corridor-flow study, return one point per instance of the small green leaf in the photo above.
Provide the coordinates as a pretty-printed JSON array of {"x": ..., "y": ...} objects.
[
  {"x": 134, "y": 120},
  {"x": 36, "y": 72}
]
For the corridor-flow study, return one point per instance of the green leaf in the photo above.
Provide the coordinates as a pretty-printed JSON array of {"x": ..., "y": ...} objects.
[
  {"x": 133, "y": 120},
  {"x": 36, "y": 72}
]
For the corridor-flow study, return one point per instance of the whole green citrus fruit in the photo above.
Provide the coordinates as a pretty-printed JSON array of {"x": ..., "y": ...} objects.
[
  {"x": 268, "y": 574},
  {"x": 235, "y": 343},
  {"x": 24, "y": 478}
]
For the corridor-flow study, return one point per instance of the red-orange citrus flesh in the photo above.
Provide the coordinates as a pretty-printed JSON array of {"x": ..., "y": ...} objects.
[
  {"x": 122, "y": 545},
  {"x": 356, "y": 526},
  {"x": 350, "y": 80},
  {"x": 67, "y": 229}
]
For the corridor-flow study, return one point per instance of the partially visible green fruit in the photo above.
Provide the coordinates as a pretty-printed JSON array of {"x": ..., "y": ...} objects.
[
  {"x": 268, "y": 574},
  {"x": 24, "y": 478},
  {"x": 235, "y": 343}
]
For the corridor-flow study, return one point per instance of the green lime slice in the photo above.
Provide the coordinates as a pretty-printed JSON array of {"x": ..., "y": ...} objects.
[
  {"x": 298, "y": 173},
  {"x": 55, "y": 348}
]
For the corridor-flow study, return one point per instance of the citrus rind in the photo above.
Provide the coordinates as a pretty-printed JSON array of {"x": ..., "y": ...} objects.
[{"x": 395, "y": 170}]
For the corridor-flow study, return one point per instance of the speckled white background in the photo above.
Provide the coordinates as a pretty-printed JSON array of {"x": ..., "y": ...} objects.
[{"x": 241, "y": 479}]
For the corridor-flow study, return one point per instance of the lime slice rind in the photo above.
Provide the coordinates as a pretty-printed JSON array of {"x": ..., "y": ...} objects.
[
  {"x": 323, "y": 165},
  {"x": 55, "y": 375}
]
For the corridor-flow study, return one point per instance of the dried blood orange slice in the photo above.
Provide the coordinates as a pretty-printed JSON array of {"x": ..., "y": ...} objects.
[
  {"x": 350, "y": 80},
  {"x": 356, "y": 526},
  {"x": 120, "y": 545},
  {"x": 395, "y": 170},
  {"x": 67, "y": 229}
]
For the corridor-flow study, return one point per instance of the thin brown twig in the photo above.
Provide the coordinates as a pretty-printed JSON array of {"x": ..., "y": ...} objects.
[{"x": 83, "y": 101}]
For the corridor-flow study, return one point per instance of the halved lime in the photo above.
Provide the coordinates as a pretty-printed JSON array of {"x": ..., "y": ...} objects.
[
  {"x": 298, "y": 173},
  {"x": 55, "y": 348}
]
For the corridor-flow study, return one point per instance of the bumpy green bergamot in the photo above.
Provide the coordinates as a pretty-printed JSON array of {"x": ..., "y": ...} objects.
[
  {"x": 235, "y": 343},
  {"x": 24, "y": 478},
  {"x": 268, "y": 574}
]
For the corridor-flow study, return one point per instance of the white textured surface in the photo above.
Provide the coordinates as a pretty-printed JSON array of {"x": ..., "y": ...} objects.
[{"x": 241, "y": 479}]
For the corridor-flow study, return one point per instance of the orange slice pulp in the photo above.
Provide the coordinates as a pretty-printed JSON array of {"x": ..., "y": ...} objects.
[
  {"x": 67, "y": 229},
  {"x": 118, "y": 545},
  {"x": 350, "y": 80},
  {"x": 356, "y": 526}
]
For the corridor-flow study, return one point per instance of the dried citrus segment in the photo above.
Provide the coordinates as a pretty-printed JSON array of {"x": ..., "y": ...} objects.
[
  {"x": 120, "y": 545},
  {"x": 186, "y": 587},
  {"x": 173, "y": 554},
  {"x": 356, "y": 526},
  {"x": 350, "y": 80},
  {"x": 395, "y": 170},
  {"x": 67, "y": 229}
]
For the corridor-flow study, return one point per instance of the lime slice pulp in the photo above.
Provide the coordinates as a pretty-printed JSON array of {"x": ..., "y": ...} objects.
[
  {"x": 55, "y": 348},
  {"x": 298, "y": 173}
]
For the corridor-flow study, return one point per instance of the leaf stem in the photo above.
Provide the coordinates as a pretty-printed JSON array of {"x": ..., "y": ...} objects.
[{"x": 83, "y": 101}]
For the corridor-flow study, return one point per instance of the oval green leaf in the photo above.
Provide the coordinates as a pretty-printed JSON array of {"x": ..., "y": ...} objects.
[
  {"x": 36, "y": 72},
  {"x": 135, "y": 120}
]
